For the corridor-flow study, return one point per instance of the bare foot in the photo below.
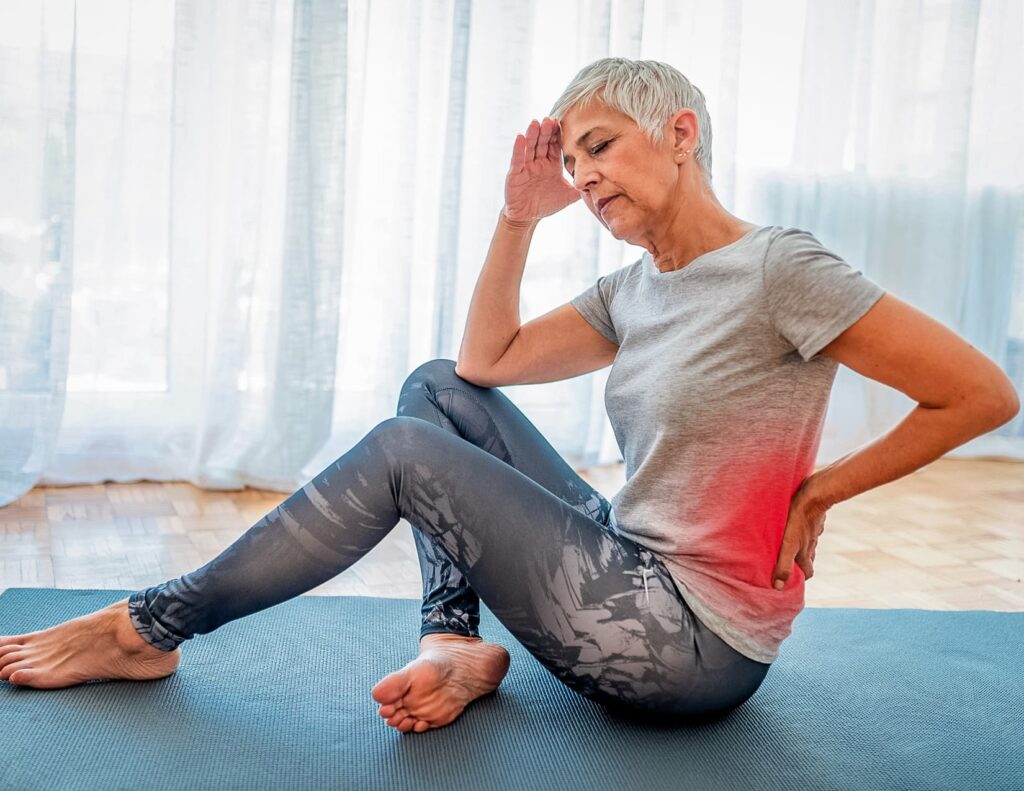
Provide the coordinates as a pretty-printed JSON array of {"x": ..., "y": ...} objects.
[
  {"x": 103, "y": 645},
  {"x": 432, "y": 690}
]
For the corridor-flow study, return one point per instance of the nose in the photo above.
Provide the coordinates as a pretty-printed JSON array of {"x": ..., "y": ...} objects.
[
  {"x": 584, "y": 182},
  {"x": 581, "y": 178}
]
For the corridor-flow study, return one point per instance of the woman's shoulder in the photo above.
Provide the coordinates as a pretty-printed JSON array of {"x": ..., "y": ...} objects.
[{"x": 786, "y": 236}]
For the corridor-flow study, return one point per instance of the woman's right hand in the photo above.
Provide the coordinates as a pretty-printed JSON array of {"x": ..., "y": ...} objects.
[{"x": 535, "y": 186}]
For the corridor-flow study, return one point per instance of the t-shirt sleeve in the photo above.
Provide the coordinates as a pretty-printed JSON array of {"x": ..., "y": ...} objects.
[
  {"x": 594, "y": 305},
  {"x": 813, "y": 295}
]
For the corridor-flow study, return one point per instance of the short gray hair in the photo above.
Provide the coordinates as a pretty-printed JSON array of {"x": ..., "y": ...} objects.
[{"x": 648, "y": 91}]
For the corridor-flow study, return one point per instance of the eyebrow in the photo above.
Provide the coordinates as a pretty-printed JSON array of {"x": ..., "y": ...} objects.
[{"x": 579, "y": 143}]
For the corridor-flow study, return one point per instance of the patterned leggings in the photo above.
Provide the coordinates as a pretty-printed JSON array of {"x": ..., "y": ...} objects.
[{"x": 496, "y": 514}]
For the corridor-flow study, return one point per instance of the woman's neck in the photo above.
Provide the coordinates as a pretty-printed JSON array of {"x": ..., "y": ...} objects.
[{"x": 704, "y": 227}]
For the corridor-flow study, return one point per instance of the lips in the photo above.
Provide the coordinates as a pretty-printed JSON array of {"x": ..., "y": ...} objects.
[{"x": 604, "y": 202}]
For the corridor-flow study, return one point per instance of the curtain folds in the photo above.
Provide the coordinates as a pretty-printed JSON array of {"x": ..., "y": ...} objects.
[
  {"x": 229, "y": 231},
  {"x": 37, "y": 243}
]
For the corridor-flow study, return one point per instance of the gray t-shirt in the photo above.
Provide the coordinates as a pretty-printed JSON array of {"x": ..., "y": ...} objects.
[{"x": 717, "y": 397}]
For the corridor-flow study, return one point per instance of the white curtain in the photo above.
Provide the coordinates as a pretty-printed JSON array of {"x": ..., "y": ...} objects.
[{"x": 228, "y": 231}]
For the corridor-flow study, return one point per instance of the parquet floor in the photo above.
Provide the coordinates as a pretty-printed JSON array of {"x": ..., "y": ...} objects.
[{"x": 948, "y": 537}]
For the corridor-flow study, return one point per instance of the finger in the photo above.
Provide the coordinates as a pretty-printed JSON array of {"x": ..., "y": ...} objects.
[
  {"x": 555, "y": 147},
  {"x": 518, "y": 153},
  {"x": 783, "y": 569},
  {"x": 555, "y": 143},
  {"x": 785, "y": 559},
  {"x": 532, "y": 133},
  {"x": 804, "y": 561},
  {"x": 544, "y": 138}
]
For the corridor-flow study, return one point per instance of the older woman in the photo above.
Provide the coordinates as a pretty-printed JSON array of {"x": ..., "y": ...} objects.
[{"x": 724, "y": 339}]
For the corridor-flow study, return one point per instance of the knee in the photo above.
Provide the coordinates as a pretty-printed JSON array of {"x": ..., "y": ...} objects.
[
  {"x": 398, "y": 429},
  {"x": 399, "y": 436},
  {"x": 441, "y": 368},
  {"x": 438, "y": 373},
  {"x": 407, "y": 445}
]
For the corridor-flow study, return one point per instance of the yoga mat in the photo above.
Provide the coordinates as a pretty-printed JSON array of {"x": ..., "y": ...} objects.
[{"x": 858, "y": 699}]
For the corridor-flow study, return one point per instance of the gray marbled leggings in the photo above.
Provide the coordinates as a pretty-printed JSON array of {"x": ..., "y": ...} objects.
[{"x": 498, "y": 514}]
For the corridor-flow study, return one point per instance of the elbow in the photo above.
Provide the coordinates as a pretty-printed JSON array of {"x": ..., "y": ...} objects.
[
  {"x": 992, "y": 398},
  {"x": 462, "y": 373},
  {"x": 1012, "y": 406},
  {"x": 470, "y": 376},
  {"x": 1002, "y": 406},
  {"x": 983, "y": 408}
]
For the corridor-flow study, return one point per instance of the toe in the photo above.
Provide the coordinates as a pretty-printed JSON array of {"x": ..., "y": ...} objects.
[
  {"x": 420, "y": 726},
  {"x": 11, "y": 669},
  {"x": 23, "y": 676},
  {"x": 7, "y": 662},
  {"x": 392, "y": 687},
  {"x": 7, "y": 649},
  {"x": 387, "y": 710},
  {"x": 397, "y": 718},
  {"x": 407, "y": 724}
]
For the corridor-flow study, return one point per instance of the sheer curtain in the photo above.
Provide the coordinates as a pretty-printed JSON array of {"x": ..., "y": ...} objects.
[{"x": 228, "y": 231}]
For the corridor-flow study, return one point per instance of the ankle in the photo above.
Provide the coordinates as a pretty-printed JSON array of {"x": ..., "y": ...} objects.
[
  {"x": 447, "y": 637},
  {"x": 125, "y": 633}
]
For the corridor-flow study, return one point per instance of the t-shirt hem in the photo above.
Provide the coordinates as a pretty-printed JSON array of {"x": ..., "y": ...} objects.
[
  {"x": 841, "y": 323},
  {"x": 584, "y": 310},
  {"x": 723, "y": 629}
]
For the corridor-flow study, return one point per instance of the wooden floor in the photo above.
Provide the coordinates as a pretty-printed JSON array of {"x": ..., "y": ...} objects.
[{"x": 948, "y": 537}]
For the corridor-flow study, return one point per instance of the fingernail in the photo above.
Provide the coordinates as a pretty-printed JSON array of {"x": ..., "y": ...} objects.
[{"x": 779, "y": 585}]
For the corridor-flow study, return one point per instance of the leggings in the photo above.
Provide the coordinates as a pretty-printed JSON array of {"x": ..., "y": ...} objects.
[{"x": 497, "y": 515}]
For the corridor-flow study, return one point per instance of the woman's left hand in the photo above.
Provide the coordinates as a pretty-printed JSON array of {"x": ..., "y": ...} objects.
[{"x": 806, "y": 521}]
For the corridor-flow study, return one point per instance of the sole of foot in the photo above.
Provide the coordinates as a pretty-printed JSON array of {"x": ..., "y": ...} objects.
[
  {"x": 431, "y": 691},
  {"x": 100, "y": 646}
]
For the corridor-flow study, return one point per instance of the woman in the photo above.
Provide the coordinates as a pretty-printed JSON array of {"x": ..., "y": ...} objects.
[{"x": 725, "y": 338}]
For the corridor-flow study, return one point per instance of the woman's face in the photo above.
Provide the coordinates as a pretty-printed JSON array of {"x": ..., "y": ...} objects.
[{"x": 617, "y": 158}]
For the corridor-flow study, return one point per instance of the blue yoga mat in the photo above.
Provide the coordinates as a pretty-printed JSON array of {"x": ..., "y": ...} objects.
[{"x": 858, "y": 699}]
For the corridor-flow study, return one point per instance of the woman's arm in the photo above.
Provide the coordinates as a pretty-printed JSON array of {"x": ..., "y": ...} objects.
[
  {"x": 961, "y": 394},
  {"x": 493, "y": 319}
]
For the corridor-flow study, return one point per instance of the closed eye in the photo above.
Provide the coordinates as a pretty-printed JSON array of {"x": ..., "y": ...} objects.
[{"x": 593, "y": 152}]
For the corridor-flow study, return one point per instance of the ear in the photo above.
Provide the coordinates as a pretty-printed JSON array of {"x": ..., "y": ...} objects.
[{"x": 684, "y": 130}]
